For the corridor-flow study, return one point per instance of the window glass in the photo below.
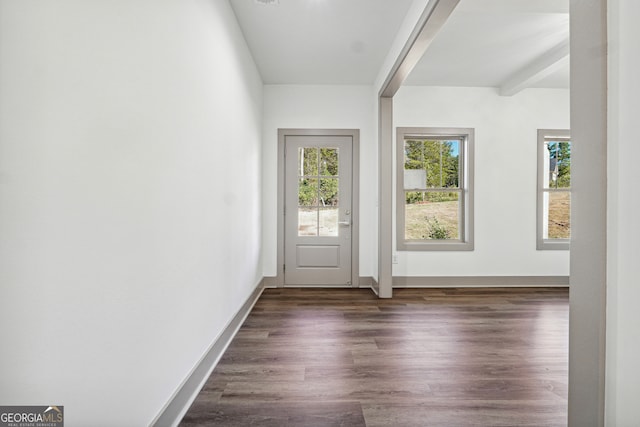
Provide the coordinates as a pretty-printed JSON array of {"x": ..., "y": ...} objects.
[
  {"x": 434, "y": 199},
  {"x": 559, "y": 218},
  {"x": 554, "y": 189},
  {"x": 432, "y": 216}
]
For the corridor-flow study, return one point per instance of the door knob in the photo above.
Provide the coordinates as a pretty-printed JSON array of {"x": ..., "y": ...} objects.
[{"x": 345, "y": 223}]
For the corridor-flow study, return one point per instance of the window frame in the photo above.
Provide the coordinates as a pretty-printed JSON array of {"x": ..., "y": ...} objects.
[
  {"x": 466, "y": 171},
  {"x": 542, "y": 243}
]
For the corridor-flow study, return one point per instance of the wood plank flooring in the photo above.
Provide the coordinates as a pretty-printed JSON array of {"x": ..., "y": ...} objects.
[{"x": 427, "y": 357}]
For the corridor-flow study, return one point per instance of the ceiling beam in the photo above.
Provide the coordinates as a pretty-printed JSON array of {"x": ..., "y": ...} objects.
[
  {"x": 543, "y": 66},
  {"x": 433, "y": 18}
]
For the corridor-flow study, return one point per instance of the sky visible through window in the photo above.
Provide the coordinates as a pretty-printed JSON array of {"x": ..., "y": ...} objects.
[{"x": 454, "y": 148}]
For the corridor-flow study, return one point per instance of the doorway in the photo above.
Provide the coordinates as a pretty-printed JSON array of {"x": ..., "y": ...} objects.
[{"x": 318, "y": 195}]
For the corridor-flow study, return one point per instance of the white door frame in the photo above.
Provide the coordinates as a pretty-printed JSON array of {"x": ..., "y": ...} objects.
[{"x": 355, "y": 207}]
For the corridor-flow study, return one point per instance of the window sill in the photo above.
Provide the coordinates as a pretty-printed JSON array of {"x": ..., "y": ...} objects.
[
  {"x": 554, "y": 245},
  {"x": 453, "y": 245}
]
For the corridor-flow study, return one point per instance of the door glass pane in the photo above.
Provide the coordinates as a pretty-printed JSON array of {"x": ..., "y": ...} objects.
[
  {"x": 307, "y": 161},
  {"x": 307, "y": 221},
  {"x": 328, "y": 192},
  {"x": 328, "y": 222},
  {"x": 432, "y": 215},
  {"x": 318, "y": 191},
  {"x": 559, "y": 215},
  {"x": 329, "y": 161},
  {"x": 308, "y": 192}
]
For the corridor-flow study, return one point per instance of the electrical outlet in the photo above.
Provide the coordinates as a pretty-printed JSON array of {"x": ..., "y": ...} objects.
[{"x": 394, "y": 258}]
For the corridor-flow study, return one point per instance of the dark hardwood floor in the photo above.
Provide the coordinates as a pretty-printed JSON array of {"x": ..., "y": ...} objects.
[{"x": 427, "y": 357}]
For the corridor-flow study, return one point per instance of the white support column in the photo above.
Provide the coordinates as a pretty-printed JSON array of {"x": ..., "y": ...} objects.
[
  {"x": 385, "y": 198},
  {"x": 589, "y": 212}
]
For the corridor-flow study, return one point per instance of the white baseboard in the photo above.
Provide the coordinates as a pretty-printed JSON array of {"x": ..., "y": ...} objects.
[
  {"x": 368, "y": 282},
  {"x": 363, "y": 282},
  {"x": 479, "y": 281},
  {"x": 175, "y": 409},
  {"x": 468, "y": 282},
  {"x": 270, "y": 282}
]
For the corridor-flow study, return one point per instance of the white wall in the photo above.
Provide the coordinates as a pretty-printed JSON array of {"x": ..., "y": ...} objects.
[
  {"x": 623, "y": 346},
  {"x": 130, "y": 224},
  {"x": 505, "y": 177},
  {"x": 319, "y": 107}
]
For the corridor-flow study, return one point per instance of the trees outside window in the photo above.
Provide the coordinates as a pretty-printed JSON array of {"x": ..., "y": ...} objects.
[
  {"x": 434, "y": 193},
  {"x": 554, "y": 189}
]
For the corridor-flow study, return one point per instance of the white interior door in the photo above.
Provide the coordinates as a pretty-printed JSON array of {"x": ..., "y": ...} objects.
[{"x": 318, "y": 212}]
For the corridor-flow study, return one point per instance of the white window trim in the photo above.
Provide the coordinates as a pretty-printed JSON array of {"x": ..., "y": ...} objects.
[
  {"x": 542, "y": 243},
  {"x": 465, "y": 243}
]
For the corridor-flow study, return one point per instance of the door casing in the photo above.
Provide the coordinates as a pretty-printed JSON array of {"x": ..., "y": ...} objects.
[{"x": 355, "y": 206}]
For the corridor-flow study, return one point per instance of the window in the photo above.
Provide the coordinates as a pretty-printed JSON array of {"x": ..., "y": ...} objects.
[
  {"x": 434, "y": 189},
  {"x": 554, "y": 189}
]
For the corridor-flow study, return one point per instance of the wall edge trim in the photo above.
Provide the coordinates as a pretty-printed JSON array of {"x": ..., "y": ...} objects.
[
  {"x": 370, "y": 282},
  {"x": 176, "y": 407},
  {"x": 479, "y": 281}
]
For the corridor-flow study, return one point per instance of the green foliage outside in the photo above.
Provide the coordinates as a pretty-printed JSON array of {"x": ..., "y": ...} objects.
[
  {"x": 308, "y": 192},
  {"x": 318, "y": 172},
  {"x": 437, "y": 231},
  {"x": 439, "y": 159},
  {"x": 560, "y": 151},
  {"x": 413, "y": 197}
]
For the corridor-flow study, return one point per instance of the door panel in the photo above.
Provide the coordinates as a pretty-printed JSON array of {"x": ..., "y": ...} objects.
[
  {"x": 318, "y": 256},
  {"x": 318, "y": 187}
]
